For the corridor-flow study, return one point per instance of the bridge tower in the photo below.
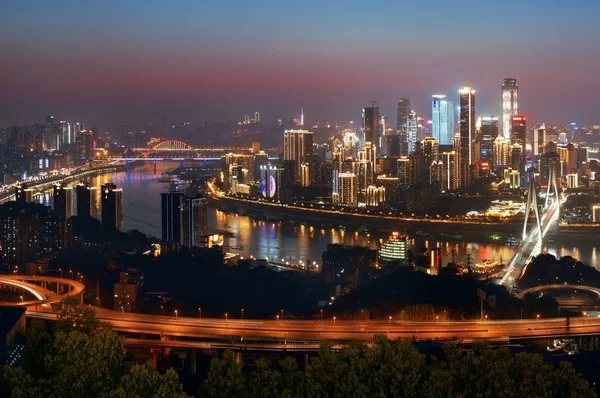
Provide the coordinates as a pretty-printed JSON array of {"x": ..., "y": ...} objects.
[
  {"x": 532, "y": 202},
  {"x": 552, "y": 186}
]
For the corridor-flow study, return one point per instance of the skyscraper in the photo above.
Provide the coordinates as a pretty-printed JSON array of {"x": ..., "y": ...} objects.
[
  {"x": 401, "y": 124},
  {"x": 412, "y": 130},
  {"x": 539, "y": 139},
  {"x": 297, "y": 146},
  {"x": 348, "y": 187},
  {"x": 430, "y": 151},
  {"x": 111, "y": 199},
  {"x": 85, "y": 197},
  {"x": 62, "y": 201},
  {"x": 510, "y": 102},
  {"x": 519, "y": 134},
  {"x": 184, "y": 217},
  {"x": 370, "y": 129},
  {"x": 467, "y": 132},
  {"x": 172, "y": 212},
  {"x": 442, "y": 119},
  {"x": 489, "y": 132}
]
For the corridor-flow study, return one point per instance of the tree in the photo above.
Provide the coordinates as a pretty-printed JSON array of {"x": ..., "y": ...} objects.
[
  {"x": 398, "y": 369},
  {"x": 145, "y": 381},
  {"x": 74, "y": 316}
]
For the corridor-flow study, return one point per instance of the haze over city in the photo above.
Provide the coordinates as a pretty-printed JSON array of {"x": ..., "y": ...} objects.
[{"x": 114, "y": 62}]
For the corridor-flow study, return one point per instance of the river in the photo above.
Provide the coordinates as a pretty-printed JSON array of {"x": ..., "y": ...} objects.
[{"x": 293, "y": 242}]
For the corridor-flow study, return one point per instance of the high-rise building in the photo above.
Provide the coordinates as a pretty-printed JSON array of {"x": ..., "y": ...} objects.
[
  {"x": 62, "y": 201},
  {"x": 442, "y": 119},
  {"x": 23, "y": 194},
  {"x": 510, "y": 102},
  {"x": 297, "y": 146},
  {"x": 370, "y": 119},
  {"x": 467, "y": 133},
  {"x": 375, "y": 196},
  {"x": 404, "y": 171},
  {"x": 111, "y": 203},
  {"x": 450, "y": 171},
  {"x": 194, "y": 222},
  {"x": 49, "y": 133},
  {"x": 85, "y": 197},
  {"x": 412, "y": 131},
  {"x": 172, "y": 215},
  {"x": 348, "y": 189},
  {"x": 501, "y": 152},
  {"x": 539, "y": 138},
  {"x": 516, "y": 157},
  {"x": 488, "y": 133},
  {"x": 402, "y": 124},
  {"x": 571, "y": 159},
  {"x": 430, "y": 151},
  {"x": 519, "y": 133}
]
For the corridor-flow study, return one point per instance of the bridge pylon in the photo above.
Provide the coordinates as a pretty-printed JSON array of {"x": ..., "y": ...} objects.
[
  {"x": 552, "y": 186},
  {"x": 532, "y": 202}
]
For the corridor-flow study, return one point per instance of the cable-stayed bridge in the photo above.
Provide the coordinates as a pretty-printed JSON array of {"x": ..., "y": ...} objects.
[{"x": 533, "y": 240}]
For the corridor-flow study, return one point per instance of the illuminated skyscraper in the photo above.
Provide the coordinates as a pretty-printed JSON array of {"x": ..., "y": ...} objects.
[
  {"x": 348, "y": 189},
  {"x": 500, "y": 155},
  {"x": 519, "y": 134},
  {"x": 401, "y": 124},
  {"x": 412, "y": 130},
  {"x": 450, "y": 171},
  {"x": 539, "y": 138},
  {"x": 467, "y": 132},
  {"x": 111, "y": 199},
  {"x": 297, "y": 146},
  {"x": 489, "y": 132},
  {"x": 510, "y": 102},
  {"x": 442, "y": 119},
  {"x": 370, "y": 129},
  {"x": 430, "y": 152}
]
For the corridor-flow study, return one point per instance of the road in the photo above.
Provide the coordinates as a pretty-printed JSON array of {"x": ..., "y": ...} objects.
[{"x": 317, "y": 331}]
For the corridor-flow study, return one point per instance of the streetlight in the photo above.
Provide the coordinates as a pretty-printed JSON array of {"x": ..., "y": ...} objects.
[
  {"x": 122, "y": 310},
  {"x": 334, "y": 321},
  {"x": 277, "y": 316},
  {"x": 390, "y": 320},
  {"x": 21, "y": 299},
  {"x": 521, "y": 313},
  {"x": 226, "y": 316},
  {"x": 199, "y": 312},
  {"x": 162, "y": 309},
  {"x": 538, "y": 317},
  {"x": 242, "y": 313},
  {"x": 321, "y": 315},
  {"x": 60, "y": 270},
  {"x": 282, "y": 314},
  {"x": 176, "y": 316}
]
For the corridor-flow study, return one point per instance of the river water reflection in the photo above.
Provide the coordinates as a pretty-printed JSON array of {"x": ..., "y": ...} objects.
[{"x": 294, "y": 242}]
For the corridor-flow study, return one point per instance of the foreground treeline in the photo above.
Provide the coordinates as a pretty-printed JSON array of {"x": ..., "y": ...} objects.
[
  {"x": 389, "y": 369},
  {"x": 79, "y": 357}
]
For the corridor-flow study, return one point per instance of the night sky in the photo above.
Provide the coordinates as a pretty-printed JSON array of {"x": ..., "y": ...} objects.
[{"x": 108, "y": 62}]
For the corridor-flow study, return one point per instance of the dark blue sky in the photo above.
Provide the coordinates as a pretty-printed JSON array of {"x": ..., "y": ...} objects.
[{"x": 106, "y": 62}]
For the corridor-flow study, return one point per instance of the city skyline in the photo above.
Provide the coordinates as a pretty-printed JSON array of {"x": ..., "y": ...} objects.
[{"x": 141, "y": 63}]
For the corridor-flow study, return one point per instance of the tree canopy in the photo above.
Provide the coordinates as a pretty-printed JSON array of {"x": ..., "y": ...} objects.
[
  {"x": 397, "y": 369},
  {"x": 81, "y": 358}
]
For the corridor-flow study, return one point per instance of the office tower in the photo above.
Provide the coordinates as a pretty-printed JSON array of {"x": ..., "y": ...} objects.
[
  {"x": 442, "y": 119},
  {"x": 510, "y": 102},
  {"x": 572, "y": 131},
  {"x": 305, "y": 174},
  {"x": 467, "y": 133},
  {"x": 256, "y": 117},
  {"x": 111, "y": 203},
  {"x": 85, "y": 196},
  {"x": 48, "y": 133},
  {"x": 370, "y": 119},
  {"x": 23, "y": 194},
  {"x": 62, "y": 201},
  {"x": 571, "y": 159},
  {"x": 194, "y": 221},
  {"x": 516, "y": 157},
  {"x": 519, "y": 132},
  {"x": 412, "y": 129},
  {"x": 85, "y": 146},
  {"x": 348, "y": 189},
  {"x": 297, "y": 147},
  {"x": 582, "y": 156},
  {"x": 172, "y": 214},
  {"x": 488, "y": 133},
  {"x": 402, "y": 124},
  {"x": 430, "y": 152},
  {"x": 450, "y": 171},
  {"x": 501, "y": 149},
  {"x": 539, "y": 138}
]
